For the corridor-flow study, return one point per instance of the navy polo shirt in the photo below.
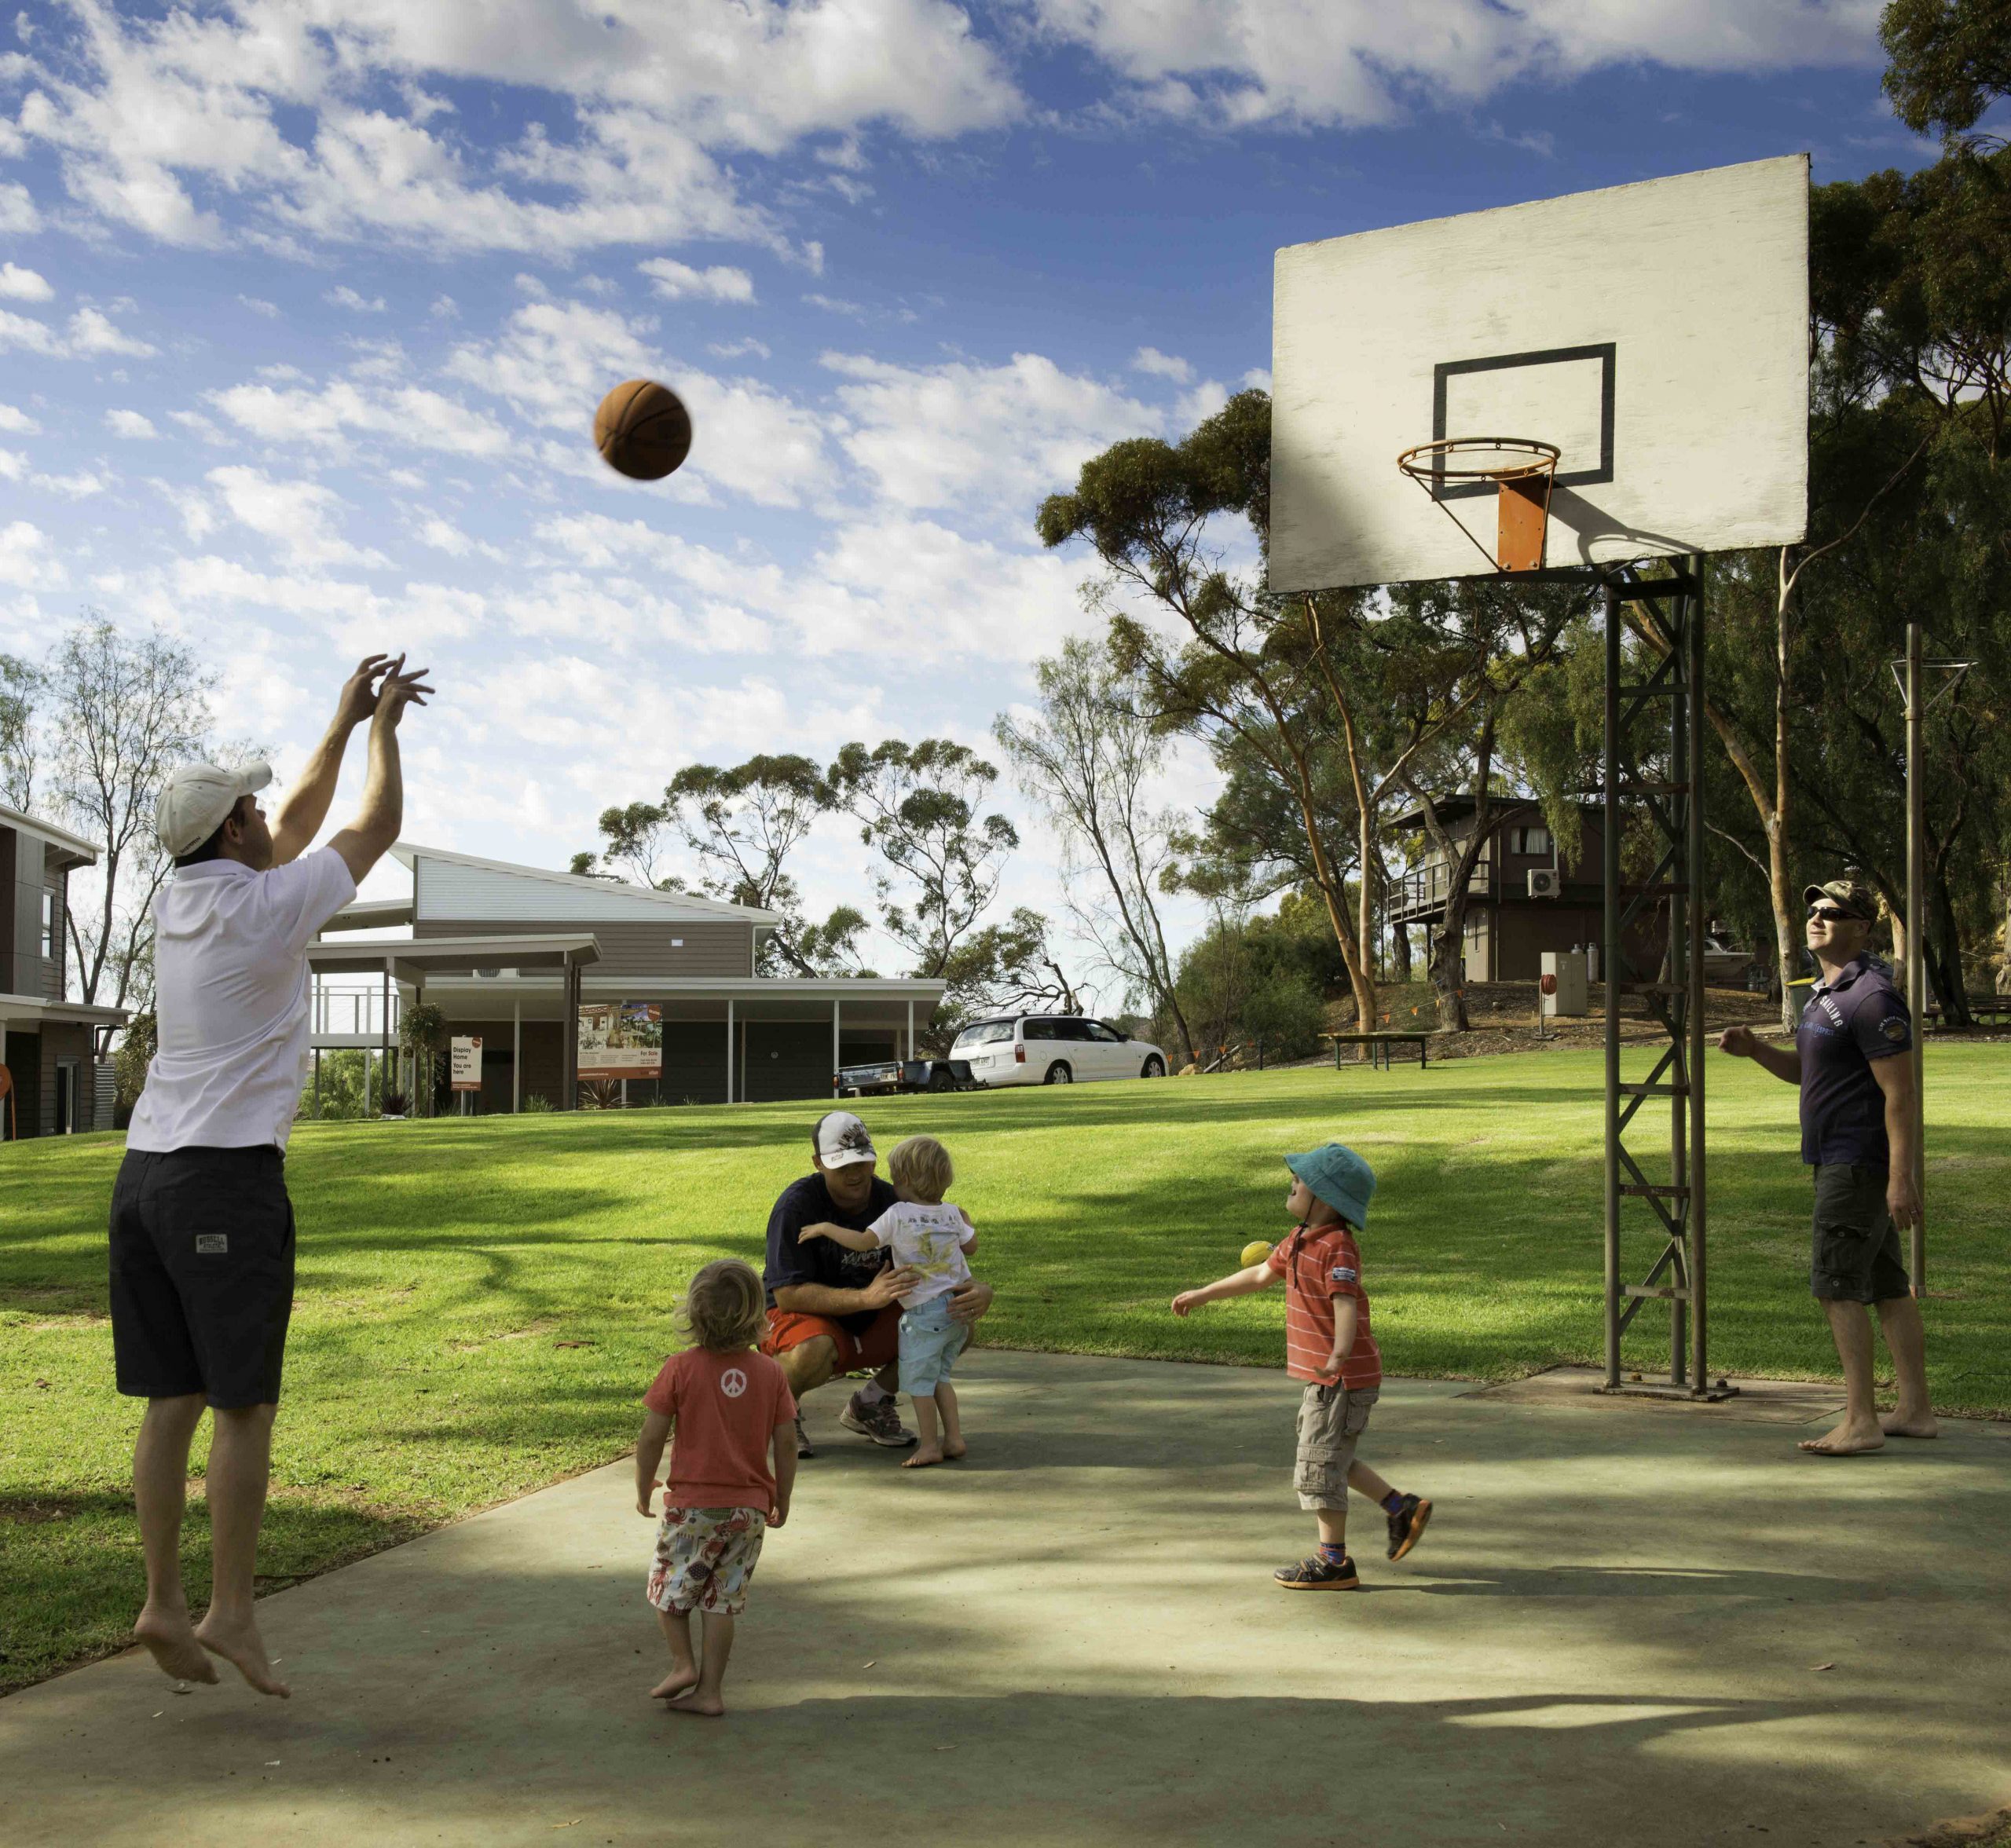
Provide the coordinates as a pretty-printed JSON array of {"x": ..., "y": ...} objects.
[
  {"x": 1845, "y": 1026},
  {"x": 808, "y": 1202}
]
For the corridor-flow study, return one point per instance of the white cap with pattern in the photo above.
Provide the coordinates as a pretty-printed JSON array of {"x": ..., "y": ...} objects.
[{"x": 197, "y": 798}]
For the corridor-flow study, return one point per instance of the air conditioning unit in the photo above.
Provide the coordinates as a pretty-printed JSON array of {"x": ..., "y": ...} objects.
[{"x": 1544, "y": 882}]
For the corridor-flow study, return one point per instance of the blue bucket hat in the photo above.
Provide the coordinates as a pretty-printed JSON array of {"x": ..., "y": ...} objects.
[{"x": 1339, "y": 1177}]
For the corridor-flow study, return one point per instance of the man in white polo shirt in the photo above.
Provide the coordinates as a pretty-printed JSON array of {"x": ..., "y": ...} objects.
[{"x": 202, "y": 1231}]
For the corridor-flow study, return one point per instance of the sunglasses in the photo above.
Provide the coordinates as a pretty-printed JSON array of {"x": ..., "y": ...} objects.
[{"x": 1830, "y": 914}]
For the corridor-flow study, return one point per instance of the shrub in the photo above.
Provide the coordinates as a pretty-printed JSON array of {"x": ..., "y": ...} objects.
[{"x": 537, "y": 1105}]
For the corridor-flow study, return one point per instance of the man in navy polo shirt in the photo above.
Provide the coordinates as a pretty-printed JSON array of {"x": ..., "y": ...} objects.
[{"x": 1857, "y": 1135}]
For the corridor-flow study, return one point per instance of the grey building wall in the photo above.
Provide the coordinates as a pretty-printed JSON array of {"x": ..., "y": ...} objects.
[{"x": 670, "y": 950}]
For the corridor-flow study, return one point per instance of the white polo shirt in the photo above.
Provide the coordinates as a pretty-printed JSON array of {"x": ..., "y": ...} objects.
[{"x": 231, "y": 994}]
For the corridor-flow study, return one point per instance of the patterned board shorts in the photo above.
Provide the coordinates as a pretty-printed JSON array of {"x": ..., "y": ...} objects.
[{"x": 705, "y": 1559}]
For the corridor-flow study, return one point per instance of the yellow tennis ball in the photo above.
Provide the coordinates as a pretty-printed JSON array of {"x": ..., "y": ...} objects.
[{"x": 1255, "y": 1252}]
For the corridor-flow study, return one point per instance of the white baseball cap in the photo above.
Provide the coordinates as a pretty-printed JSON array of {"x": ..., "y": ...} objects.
[
  {"x": 843, "y": 1142},
  {"x": 197, "y": 799}
]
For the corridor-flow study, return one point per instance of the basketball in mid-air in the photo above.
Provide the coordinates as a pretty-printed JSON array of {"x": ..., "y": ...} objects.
[{"x": 643, "y": 429}]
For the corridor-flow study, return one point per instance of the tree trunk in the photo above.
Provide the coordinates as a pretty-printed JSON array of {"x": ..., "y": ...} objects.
[{"x": 1400, "y": 954}]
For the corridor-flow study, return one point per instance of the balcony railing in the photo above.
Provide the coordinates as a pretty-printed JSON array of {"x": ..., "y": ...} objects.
[
  {"x": 1422, "y": 890},
  {"x": 356, "y": 1012}
]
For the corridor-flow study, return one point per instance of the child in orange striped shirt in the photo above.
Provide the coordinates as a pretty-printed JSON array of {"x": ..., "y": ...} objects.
[{"x": 1328, "y": 1344}]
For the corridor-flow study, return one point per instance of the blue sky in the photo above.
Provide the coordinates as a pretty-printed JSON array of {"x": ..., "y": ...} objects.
[{"x": 304, "y": 306}]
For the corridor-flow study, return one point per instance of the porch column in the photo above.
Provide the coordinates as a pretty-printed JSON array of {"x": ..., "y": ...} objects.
[
  {"x": 569, "y": 1037},
  {"x": 910, "y": 1027},
  {"x": 516, "y": 1053},
  {"x": 383, "y": 1042},
  {"x": 835, "y": 1060},
  {"x": 729, "y": 1049}
]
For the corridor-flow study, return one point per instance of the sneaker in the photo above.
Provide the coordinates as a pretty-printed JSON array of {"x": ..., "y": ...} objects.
[
  {"x": 881, "y": 1422},
  {"x": 1318, "y": 1574},
  {"x": 1406, "y": 1525},
  {"x": 803, "y": 1447}
]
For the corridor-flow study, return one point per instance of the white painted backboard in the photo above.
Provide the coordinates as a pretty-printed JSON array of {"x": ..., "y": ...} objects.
[{"x": 1656, "y": 333}]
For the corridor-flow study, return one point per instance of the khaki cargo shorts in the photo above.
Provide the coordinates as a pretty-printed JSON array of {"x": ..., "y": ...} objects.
[{"x": 1331, "y": 1421}]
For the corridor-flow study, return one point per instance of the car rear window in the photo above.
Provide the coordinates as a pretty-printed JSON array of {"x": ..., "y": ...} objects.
[{"x": 982, "y": 1033}]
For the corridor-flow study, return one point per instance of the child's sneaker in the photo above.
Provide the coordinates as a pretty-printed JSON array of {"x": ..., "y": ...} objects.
[
  {"x": 1406, "y": 1524},
  {"x": 1318, "y": 1574}
]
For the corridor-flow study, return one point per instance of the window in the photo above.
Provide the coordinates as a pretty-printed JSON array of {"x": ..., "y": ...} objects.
[
  {"x": 49, "y": 924},
  {"x": 984, "y": 1033},
  {"x": 1108, "y": 1036},
  {"x": 1069, "y": 1029},
  {"x": 1532, "y": 840},
  {"x": 1043, "y": 1029}
]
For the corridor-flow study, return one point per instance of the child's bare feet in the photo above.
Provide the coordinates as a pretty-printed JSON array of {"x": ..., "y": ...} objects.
[
  {"x": 1907, "y": 1425},
  {"x": 704, "y": 1706},
  {"x": 675, "y": 1683},
  {"x": 241, "y": 1646},
  {"x": 922, "y": 1459},
  {"x": 954, "y": 1448},
  {"x": 172, "y": 1642}
]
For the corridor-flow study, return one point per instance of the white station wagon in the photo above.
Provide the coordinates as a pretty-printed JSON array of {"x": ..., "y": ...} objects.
[{"x": 1053, "y": 1049}]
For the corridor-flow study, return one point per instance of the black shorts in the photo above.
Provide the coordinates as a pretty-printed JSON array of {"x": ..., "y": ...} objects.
[
  {"x": 202, "y": 1274},
  {"x": 1856, "y": 1255}
]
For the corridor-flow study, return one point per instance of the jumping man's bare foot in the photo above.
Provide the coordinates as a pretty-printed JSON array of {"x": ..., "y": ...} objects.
[
  {"x": 241, "y": 1646},
  {"x": 1925, "y": 1425},
  {"x": 1846, "y": 1440},
  {"x": 699, "y": 1706},
  {"x": 675, "y": 1683},
  {"x": 922, "y": 1459},
  {"x": 954, "y": 1448},
  {"x": 172, "y": 1642}
]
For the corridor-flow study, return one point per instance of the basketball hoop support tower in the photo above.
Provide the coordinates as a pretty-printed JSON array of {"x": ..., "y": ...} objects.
[{"x": 1674, "y": 995}]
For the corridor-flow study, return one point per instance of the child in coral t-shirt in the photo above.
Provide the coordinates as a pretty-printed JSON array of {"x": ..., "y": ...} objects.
[
  {"x": 1328, "y": 1344},
  {"x": 732, "y": 1466}
]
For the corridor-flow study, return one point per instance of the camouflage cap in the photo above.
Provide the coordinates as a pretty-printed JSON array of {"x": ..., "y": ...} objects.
[{"x": 1846, "y": 895}]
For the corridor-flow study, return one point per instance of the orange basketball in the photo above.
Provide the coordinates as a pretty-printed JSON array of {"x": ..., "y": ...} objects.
[{"x": 643, "y": 429}]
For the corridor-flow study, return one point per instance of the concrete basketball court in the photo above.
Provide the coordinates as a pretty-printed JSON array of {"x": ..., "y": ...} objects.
[{"x": 1613, "y": 1632}]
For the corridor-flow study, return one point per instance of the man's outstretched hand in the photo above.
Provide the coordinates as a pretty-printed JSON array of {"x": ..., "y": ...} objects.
[
  {"x": 1738, "y": 1041},
  {"x": 359, "y": 695},
  {"x": 968, "y": 1302},
  {"x": 400, "y": 690}
]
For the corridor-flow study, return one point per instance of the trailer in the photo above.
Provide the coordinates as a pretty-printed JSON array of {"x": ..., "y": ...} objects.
[{"x": 885, "y": 1077}]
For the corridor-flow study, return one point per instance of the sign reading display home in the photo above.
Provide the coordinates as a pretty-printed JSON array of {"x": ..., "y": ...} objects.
[{"x": 464, "y": 1063}]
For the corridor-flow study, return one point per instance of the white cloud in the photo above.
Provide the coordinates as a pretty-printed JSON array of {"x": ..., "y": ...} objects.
[
  {"x": 23, "y": 285},
  {"x": 259, "y": 305},
  {"x": 1162, "y": 365},
  {"x": 342, "y": 295},
  {"x": 1000, "y": 437},
  {"x": 91, "y": 332},
  {"x": 13, "y": 465},
  {"x": 130, "y": 424},
  {"x": 80, "y": 486},
  {"x": 408, "y": 414},
  {"x": 444, "y": 308},
  {"x": 680, "y": 282},
  {"x": 18, "y": 217},
  {"x": 199, "y": 518},
  {"x": 299, "y": 517},
  {"x": 738, "y": 349},
  {"x": 18, "y": 421},
  {"x": 29, "y": 560},
  {"x": 30, "y": 335},
  {"x": 1240, "y": 63},
  {"x": 152, "y": 117}
]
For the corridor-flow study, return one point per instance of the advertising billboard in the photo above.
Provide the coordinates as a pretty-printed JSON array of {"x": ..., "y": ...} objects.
[{"x": 620, "y": 1040}]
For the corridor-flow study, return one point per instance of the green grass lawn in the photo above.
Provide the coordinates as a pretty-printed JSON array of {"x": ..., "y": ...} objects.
[{"x": 483, "y": 1301}]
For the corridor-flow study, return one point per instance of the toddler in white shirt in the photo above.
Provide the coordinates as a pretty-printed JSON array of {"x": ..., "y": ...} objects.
[{"x": 933, "y": 1238}]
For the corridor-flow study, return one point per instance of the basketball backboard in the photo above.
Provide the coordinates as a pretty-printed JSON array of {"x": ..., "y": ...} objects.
[{"x": 1657, "y": 334}]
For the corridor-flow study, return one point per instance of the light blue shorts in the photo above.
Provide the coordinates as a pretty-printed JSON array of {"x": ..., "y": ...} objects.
[{"x": 930, "y": 1344}]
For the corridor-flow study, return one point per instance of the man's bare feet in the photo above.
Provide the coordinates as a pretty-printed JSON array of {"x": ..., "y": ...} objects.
[
  {"x": 699, "y": 1706},
  {"x": 1926, "y": 1424},
  {"x": 1846, "y": 1440},
  {"x": 241, "y": 1646},
  {"x": 922, "y": 1459},
  {"x": 954, "y": 1448},
  {"x": 172, "y": 1642},
  {"x": 675, "y": 1683}
]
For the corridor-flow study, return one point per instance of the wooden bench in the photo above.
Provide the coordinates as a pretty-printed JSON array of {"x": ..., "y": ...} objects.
[
  {"x": 1992, "y": 1007},
  {"x": 1378, "y": 1045}
]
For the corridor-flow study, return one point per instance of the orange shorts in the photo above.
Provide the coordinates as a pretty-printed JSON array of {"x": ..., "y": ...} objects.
[{"x": 873, "y": 1346}]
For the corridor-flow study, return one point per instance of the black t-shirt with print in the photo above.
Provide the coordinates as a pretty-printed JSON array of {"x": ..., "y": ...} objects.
[
  {"x": 808, "y": 1202},
  {"x": 1844, "y": 1028}
]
